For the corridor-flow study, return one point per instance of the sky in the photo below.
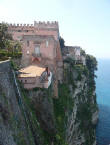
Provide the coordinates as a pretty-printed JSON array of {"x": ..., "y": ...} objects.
[{"x": 84, "y": 23}]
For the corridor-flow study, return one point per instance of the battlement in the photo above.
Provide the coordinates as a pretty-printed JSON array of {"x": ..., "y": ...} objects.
[
  {"x": 48, "y": 24},
  {"x": 20, "y": 25},
  {"x": 39, "y": 25},
  {"x": 37, "y": 28}
]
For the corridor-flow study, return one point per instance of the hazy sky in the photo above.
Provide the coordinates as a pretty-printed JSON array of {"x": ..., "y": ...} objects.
[{"x": 85, "y": 23}]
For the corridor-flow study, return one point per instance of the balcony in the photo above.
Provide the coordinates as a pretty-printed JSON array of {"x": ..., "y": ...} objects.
[{"x": 36, "y": 54}]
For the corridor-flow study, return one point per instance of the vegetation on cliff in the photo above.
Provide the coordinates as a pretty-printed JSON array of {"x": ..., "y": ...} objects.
[
  {"x": 61, "y": 106},
  {"x": 86, "y": 101}
]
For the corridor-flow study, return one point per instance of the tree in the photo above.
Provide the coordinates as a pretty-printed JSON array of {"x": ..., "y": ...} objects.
[
  {"x": 83, "y": 52},
  {"x": 6, "y": 41},
  {"x": 4, "y": 36},
  {"x": 17, "y": 46},
  {"x": 62, "y": 42},
  {"x": 8, "y": 47}
]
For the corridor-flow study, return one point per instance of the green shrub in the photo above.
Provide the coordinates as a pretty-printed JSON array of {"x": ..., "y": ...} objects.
[{"x": 4, "y": 53}]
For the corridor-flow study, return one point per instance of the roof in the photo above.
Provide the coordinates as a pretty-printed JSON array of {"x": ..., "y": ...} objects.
[{"x": 31, "y": 71}]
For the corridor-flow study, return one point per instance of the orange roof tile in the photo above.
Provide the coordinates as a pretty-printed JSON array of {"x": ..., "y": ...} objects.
[{"x": 31, "y": 71}]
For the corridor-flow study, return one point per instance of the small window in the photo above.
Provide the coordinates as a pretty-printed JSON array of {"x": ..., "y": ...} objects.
[
  {"x": 27, "y": 43},
  {"x": 19, "y": 30},
  {"x": 25, "y": 81},
  {"x": 27, "y": 51},
  {"x": 47, "y": 43}
]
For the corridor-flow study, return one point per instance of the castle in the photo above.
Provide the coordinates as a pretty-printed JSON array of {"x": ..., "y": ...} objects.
[{"x": 41, "y": 49}]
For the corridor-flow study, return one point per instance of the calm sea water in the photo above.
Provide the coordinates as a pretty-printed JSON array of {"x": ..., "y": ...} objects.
[{"x": 103, "y": 99}]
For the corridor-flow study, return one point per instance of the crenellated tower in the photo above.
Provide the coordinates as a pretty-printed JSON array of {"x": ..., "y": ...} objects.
[{"x": 38, "y": 28}]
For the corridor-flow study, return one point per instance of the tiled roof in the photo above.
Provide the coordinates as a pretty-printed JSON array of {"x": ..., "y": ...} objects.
[{"x": 31, "y": 71}]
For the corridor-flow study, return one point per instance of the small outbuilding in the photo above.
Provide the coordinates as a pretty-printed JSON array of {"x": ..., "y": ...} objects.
[{"x": 34, "y": 76}]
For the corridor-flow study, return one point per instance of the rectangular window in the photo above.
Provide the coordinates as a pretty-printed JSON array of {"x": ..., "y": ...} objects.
[
  {"x": 37, "y": 49},
  {"x": 27, "y": 43}
]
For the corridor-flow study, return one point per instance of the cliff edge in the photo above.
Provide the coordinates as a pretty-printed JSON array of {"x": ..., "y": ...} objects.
[{"x": 36, "y": 118}]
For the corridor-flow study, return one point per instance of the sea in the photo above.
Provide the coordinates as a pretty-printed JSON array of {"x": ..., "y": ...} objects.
[{"x": 103, "y": 100}]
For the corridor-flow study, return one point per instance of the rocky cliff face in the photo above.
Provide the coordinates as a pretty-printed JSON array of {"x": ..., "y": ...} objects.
[
  {"x": 80, "y": 129},
  {"x": 38, "y": 119},
  {"x": 14, "y": 129}
]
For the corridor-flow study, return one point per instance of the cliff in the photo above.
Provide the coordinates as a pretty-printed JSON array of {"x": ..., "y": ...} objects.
[
  {"x": 81, "y": 119},
  {"x": 36, "y": 118}
]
